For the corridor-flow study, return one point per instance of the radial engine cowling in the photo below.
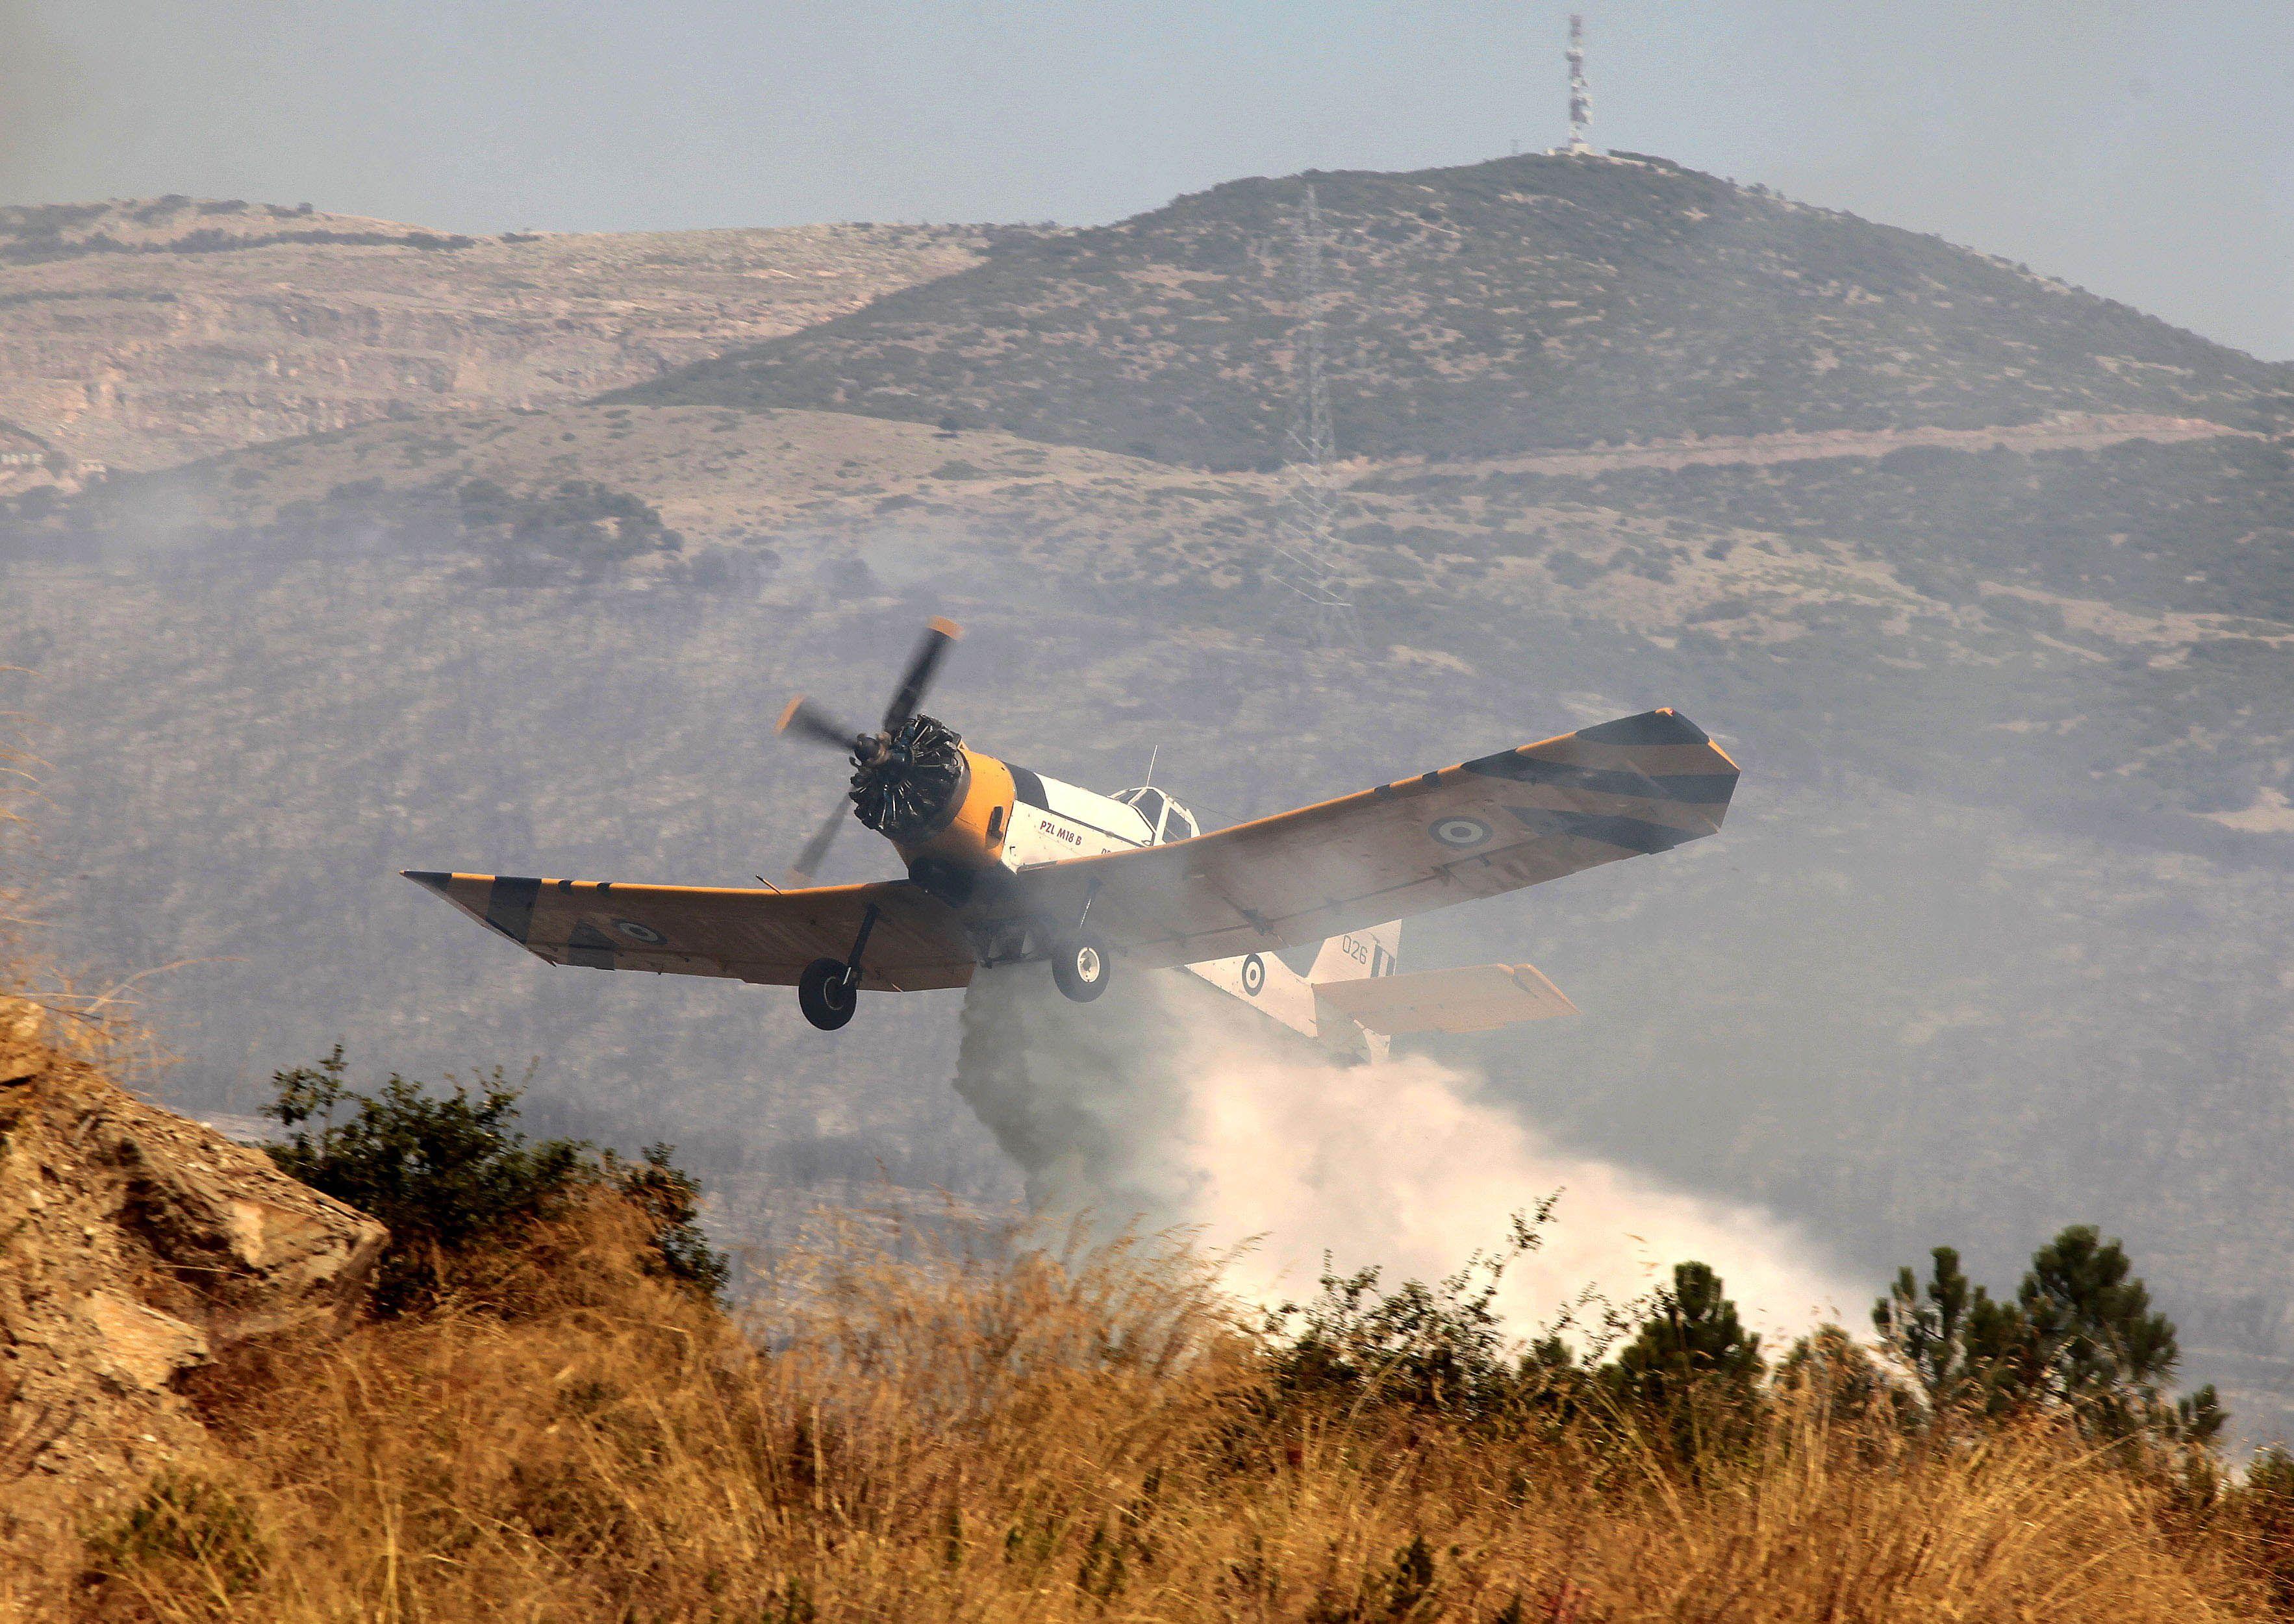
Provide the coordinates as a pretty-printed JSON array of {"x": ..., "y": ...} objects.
[{"x": 909, "y": 785}]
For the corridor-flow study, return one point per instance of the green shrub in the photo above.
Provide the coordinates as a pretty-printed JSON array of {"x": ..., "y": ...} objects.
[
  {"x": 2266, "y": 1502},
  {"x": 450, "y": 1176}
]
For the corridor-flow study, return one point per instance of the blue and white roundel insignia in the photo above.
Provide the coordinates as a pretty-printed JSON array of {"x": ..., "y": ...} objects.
[
  {"x": 637, "y": 932},
  {"x": 1459, "y": 832},
  {"x": 1254, "y": 975}
]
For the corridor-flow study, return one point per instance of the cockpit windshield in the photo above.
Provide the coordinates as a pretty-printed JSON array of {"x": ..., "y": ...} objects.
[
  {"x": 1166, "y": 818},
  {"x": 1149, "y": 802}
]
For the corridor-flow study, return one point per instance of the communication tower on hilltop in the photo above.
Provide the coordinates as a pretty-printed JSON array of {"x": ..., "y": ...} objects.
[
  {"x": 1307, "y": 551},
  {"x": 1581, "y": 99}
]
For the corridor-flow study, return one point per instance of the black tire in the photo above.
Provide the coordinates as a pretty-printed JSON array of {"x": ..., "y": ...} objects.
[
  {"x": 828, "y": 993},
  {"x": 1080, "y": 966}
]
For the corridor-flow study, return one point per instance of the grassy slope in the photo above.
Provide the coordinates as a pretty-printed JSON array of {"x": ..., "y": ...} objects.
[
  {"x": 1518, "y": 303},
  {"x": 1059, "y": 1438}
]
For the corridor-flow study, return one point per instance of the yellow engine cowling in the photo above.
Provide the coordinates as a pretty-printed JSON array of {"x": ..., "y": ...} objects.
[{"x": 974, "y": 827}]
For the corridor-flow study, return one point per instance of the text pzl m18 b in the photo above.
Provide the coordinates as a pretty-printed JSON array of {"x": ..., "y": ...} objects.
[{"x": 1006, "y": 865}]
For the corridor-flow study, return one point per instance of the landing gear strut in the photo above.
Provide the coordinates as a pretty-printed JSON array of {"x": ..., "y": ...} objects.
[{"x": 828, "y": 992}]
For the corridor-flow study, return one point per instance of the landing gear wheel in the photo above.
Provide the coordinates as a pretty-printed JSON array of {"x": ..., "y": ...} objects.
[
  {"x": 827, "y": 992},
  {"x": 1080, "y": 967}
]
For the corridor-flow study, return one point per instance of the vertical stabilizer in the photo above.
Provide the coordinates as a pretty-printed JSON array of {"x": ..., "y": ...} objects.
[{"x": 1359, "y": 954}]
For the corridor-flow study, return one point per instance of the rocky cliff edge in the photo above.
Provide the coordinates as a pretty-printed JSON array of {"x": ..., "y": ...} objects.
[{"x": 134, "y": 1246}]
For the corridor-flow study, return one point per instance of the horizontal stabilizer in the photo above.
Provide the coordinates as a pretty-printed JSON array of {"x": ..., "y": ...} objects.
[{"x": 1475, "y": 999}]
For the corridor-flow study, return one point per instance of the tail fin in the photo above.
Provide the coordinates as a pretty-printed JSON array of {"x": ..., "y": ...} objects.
[{"x": 1359, "y": 954}]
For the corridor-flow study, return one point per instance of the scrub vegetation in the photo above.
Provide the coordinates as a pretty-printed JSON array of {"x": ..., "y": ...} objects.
[
  {"x": 946, "y": 1422},
  {"x": 454, "y": 1181}
]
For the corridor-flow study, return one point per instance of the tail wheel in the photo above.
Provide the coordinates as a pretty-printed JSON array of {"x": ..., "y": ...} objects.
[
  {"x": 1080, "y": 966},
  {"x": 827, "y": 992}
]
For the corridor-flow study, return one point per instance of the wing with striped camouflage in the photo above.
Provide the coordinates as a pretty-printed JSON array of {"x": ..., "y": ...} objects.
[
  {"x": 1520, "y": 817},
  {"x": 764, "y": 936}
]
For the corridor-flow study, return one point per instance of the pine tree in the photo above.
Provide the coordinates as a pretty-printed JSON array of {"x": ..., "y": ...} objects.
[
  {"x": 1965, "y": 1349},
  {"x": 1691, "y": 1368},
  {"x": 2080, "y": 1334}
]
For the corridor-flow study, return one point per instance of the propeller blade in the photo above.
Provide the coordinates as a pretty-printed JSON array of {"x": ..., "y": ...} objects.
[
  {"x": 810, "y": 722},
  {"x": 938, "y": 633},
  {"x": 816, "y": 850}
]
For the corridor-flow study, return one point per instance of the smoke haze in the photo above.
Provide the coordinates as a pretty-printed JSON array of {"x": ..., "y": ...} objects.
[
  {"x": 1167, "y": 1104},
  {"x": 38, "y": 87}
]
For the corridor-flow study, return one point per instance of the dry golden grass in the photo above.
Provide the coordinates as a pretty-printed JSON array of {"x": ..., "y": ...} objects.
[{"x": 1043, "y": 1436}]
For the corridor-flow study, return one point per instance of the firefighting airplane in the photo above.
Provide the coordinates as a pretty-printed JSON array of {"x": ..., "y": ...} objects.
[{"x": 1008, "y": 866}]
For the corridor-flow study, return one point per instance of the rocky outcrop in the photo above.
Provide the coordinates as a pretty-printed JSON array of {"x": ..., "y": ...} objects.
[{"x": 134, "y": 1246}]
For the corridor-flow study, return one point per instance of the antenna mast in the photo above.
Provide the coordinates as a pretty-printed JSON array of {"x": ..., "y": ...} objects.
[
  {"x": 1307, "y": 549},
  {"x": 1581, "y": 99}
]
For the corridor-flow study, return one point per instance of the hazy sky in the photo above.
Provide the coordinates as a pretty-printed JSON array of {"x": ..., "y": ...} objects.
[{"x": 2145, "y": 152}]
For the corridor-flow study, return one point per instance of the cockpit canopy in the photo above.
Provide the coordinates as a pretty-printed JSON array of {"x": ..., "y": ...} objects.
[{"x": 1166, "y": 820}]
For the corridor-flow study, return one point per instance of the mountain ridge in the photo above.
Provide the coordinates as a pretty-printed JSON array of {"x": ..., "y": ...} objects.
[{"x": 1518, "y": 304}]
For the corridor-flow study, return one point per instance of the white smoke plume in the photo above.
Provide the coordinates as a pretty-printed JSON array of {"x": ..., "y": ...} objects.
[{"x": 1168, "y": 1104}]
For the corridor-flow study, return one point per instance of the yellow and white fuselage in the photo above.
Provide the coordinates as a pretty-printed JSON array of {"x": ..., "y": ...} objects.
[{"x": 1318, "y": 990}]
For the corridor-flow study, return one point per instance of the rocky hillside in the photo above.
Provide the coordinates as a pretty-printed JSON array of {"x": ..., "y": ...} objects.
[
  {"x": 138, "y": 334},
  {"x": 135, "y": 1246},
  {"x": 1518, "y": 304}
]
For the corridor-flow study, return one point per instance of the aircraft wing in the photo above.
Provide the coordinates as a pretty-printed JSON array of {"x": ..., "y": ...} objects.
[
  {"x": 766, "y": 937},
  {"x": 1478, "y": 998},
  {"x": 1644, "y": 783}
]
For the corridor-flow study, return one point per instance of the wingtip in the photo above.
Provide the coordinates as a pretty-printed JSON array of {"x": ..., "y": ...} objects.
[
  {"x": 1666, "y": 726},
  {"x": 428, "y": 877},
  {"x": 1537, "y": 984}
]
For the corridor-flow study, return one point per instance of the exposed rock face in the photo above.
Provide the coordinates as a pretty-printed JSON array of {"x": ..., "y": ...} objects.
[
  {"x": 134, "y": 1245},
  {"x": 138, "y": 334}
]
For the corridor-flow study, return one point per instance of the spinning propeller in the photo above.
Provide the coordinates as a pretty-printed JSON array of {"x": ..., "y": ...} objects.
[{"x": 905, "y": 775}]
